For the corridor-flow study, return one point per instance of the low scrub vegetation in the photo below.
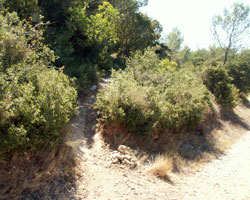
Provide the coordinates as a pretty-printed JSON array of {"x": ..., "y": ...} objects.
[
  {"x": 218, "y": 81},
  {"x": 153, "y": 95},
  {"x": 239, "y": 70},
  {"x": 35, "y": 99}
]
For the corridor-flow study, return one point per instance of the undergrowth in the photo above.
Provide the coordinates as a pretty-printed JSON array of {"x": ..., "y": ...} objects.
[
  {"x": 218, "y": 81},
  {"x": 36, "y": 101},
  {"x": 153, "y": 95}
]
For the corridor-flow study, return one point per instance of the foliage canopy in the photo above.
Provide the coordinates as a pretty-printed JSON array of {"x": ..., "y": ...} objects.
[{"x": 230, "y": 29}]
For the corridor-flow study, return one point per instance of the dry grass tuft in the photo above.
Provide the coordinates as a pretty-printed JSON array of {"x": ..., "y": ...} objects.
[{"x": 161, "y": 166}]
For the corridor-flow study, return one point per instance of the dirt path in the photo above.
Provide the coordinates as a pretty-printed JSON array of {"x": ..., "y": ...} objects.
[{"x": 225, "y": 178}]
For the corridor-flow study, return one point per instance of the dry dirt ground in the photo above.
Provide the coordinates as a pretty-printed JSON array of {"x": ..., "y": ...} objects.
[{"x": 227, "y": 177}]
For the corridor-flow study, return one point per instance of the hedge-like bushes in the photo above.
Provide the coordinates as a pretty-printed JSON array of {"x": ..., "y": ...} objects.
[
  {"x": 35, "y": 100},
  {"x": 239, "y": 70},
  {"x": 153, "y": 95},
  {"x": 218, "y": 82}
]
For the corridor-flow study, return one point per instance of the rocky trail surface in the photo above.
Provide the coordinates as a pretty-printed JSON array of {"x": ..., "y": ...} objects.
[{"x": 227, "y": 177}]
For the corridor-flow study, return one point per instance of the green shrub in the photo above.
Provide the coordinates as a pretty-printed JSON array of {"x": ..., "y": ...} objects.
[
  {"x": 218, "y": 82},
  {"x": 125, "y": 102},
  {"x": 36, "y": 100},
  {"x": 153, "y": 95},
  {"x": 239, "y": 70}
]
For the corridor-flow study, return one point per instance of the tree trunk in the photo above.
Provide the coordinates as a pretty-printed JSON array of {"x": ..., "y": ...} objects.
[{"x": 226, "y": 55}]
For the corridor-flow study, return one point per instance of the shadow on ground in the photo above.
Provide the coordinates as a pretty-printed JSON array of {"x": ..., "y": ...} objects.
[
  {"x": 187, "y": 145},
  {"x": 231, "y": 116},
  {"x": 245, "y": 101},
  {"x": 43, "y": 175},
  {"x": 84, "y": 124}
]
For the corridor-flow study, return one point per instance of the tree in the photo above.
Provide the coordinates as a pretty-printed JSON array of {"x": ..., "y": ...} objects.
[
  {"x": 24, "y": 8},
  {"x": 183, "y": 55},
  {"x": 82, "y": 34},
  {"x": 230, "y": 29},
  {"x": 136, "y": 31},
  {"x": 199, "y": 57},
  {"x": 85, "y": 33},
  {"x": 174, "y": 40}
]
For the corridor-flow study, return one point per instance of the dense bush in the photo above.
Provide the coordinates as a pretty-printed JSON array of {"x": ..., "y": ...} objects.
[
  {"x": 153, "y": 95},
  {"x": 239, "y": 70},
  {"x": 35, "y": 100},
  {"x": 24, "y": 8},
  {"x": 218, "y": 81}
]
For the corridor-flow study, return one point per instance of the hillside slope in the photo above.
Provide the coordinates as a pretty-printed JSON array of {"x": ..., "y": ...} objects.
[
  {"x": 81, "y": 167},
  {"x": 224, "y": 178}
]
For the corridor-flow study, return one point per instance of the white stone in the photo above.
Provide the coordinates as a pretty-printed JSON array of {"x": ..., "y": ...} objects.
[{"x": 93, "y": 88}]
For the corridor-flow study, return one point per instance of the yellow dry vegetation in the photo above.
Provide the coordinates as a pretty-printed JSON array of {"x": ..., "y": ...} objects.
[{"x": 161, "y": 166}]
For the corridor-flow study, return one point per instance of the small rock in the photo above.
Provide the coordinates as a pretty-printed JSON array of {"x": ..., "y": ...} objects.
[
  {"x": 124, "y": 149},
  {"x": 127, "y": 162},
  {"x": 93, "y": 88},
  {"x": 125, "y": 179},
  {"x": 128, "y": 157},
  {"x": 48, "y": 173},
  {"x": 115, "y": 161},
  {"x": 124, "y": 152},
  {"x": 120, "y": 157}
]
